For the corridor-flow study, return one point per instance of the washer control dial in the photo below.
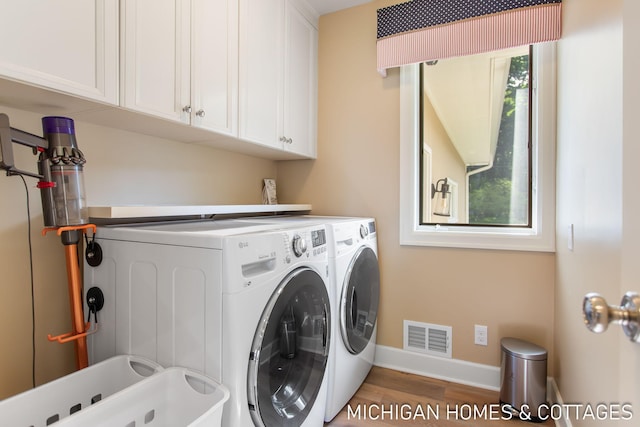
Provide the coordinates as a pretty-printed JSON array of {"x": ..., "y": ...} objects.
[
  {"x": 299, "y": 245},
  {"x": 364, "y": 231}
]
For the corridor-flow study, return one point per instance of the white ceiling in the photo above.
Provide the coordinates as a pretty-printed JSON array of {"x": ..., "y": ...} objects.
[{"x": 328, "y": 6}]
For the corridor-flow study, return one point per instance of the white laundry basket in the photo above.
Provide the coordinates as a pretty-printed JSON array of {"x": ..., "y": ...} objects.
[
  {"x": 175, "y": 397},
  {"x": 58, "y": 399}
]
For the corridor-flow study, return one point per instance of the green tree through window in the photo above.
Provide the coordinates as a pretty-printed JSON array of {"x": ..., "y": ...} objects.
[{"x": 500, "y": 195}]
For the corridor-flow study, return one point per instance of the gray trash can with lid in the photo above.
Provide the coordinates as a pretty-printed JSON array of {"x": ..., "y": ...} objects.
[{"x": 523, "y": 379}]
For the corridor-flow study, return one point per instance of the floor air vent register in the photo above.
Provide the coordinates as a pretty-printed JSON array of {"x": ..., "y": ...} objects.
[{"x": 427, "y": 338}]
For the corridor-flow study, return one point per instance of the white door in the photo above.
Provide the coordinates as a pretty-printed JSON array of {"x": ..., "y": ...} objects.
[
  {"x": 630, "y": 271},
  {"x": 300, "y": 83},
  {"x": 80, "y": 57},
  {"x": 598, "y": 233},
  {"x": 156, "y": 57},
  {"x": 260, "y": 84},
  {"x": 214, "y": 73}
]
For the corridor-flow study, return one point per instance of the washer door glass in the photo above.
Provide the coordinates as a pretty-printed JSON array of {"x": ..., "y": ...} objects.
[
  {"x": 359, "y": 301},
  {"x": 289, "y": 352}
]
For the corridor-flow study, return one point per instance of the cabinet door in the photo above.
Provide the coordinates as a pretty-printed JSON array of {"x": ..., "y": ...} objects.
[
  {"x": 70, "y": 46},
  {"x": 156, "y": 57},
  {"x": 300, "y": 83},
  {"x": 214, "y": 52},
  {"x": 261, "y": 76}
]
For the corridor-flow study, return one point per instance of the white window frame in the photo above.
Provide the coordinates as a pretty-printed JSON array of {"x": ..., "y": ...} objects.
[{"x": 541, "y": 236}]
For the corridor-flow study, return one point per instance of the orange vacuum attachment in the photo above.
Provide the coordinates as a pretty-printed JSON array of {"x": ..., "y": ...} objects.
[{"x": 80, "y": 328}]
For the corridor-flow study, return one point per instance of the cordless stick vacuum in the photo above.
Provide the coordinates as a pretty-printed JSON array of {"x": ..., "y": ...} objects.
[{"x": 64, "y": 210}]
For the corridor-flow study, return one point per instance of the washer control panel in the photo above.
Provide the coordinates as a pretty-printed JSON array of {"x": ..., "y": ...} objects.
[
  {"x": 318, "y": 237},
  {"x": 308, "y": 242},
  {"x": 319, "y": 241},
  {"x": 299, "y": 245},
  {"x": 364, "y": 231},
  {"x": 349, "y": 235}
]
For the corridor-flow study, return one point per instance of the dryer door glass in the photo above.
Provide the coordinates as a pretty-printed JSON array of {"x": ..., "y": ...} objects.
[
  {"x": 359, "y": 300},
  {"x": 289, "y": 351}
]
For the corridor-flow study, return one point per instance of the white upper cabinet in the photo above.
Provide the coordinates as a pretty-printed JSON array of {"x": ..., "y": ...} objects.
[
  {"x": 261, "y": 70},
  {"x": 179, "y": 61},
  {"x": 155, "y": 57},
  {"x": 278, "y": 75},
  {"x": 236, "y": 74},
  {"x": 70, "y": 46},
  {"x": 214, "y": 65},
  {"x": 300, "y": 83}
]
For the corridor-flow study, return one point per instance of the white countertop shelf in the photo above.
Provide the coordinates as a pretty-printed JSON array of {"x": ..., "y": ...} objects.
[{"x": 106, "y": 213}]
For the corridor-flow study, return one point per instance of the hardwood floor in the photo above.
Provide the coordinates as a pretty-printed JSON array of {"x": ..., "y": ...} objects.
[{"x": 391, "y": 398}]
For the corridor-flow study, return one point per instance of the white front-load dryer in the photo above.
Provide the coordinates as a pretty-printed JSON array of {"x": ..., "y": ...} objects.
[
  {"x": 355, "y": 271},
  {"x": 246, "y": 306}
]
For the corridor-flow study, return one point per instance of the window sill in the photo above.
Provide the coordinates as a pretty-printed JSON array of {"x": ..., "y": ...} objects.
[{"x": 478, "y": 238}]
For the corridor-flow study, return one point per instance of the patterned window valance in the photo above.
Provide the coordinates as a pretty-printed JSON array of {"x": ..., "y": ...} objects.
[{"x": 426, "y": 30}]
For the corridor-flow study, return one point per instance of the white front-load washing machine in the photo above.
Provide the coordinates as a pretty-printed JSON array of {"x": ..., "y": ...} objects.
[
  {"x": 353, "y": 261},
  {"x": 355, "y": 295},
  {"x": 244, "y": 303}
]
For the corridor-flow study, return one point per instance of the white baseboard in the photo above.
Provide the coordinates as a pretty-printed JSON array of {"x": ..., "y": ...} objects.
[
  {"x": 454, "y": 370},
  {"x": 554, "y": 397}
]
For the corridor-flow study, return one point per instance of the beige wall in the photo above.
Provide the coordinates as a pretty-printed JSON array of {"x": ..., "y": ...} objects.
[
  {"x": 357, "y": 173},
  {"x": 122, "y": 168}
]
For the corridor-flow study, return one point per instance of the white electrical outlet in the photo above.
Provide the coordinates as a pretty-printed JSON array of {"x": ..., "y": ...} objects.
[{"x": 481, "y": 335}]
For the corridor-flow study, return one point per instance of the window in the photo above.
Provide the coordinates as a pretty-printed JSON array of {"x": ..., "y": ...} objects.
[{"x": 500, "y": 182}]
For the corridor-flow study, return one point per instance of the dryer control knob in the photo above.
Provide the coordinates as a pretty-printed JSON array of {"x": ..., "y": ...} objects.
[
  {"x": 299, "y": 245},
  {"x": 364, "y": 231}
]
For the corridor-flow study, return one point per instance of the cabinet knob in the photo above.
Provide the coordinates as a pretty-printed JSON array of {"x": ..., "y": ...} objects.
[
  {"x": 200, "y": 113},
  {"x": 286, "y": 140},
  {"x": 187, "y": 109}
]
